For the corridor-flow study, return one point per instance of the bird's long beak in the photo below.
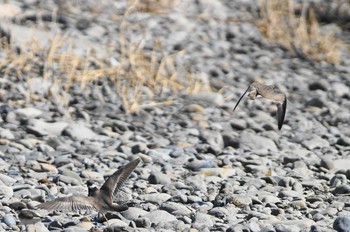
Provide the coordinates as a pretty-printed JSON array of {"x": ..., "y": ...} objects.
[{"x": 241, "y": 98}]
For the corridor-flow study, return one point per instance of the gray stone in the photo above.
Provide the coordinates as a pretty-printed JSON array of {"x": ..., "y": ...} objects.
[
  {"x": 344, "y": 141},
  {"x": 319, "y": 84},
  {"x": 270, "y": 199},
  {"x": 197, "y": 183},
  {"x": 7, "y": 180},
  {"x": 238, "y": 124},
  {"x": 299, "y": 204},
  {"x": 253, "y": 226},
  {"x": 17, "y": 205},
  {"x": 142, "y": 222},
  {"x": 6, "y": 192},
  {"x": 340, "y": 164},
  {"x": 330, "y": 211},
  {"x": 157, "y": 198},
  {"x": 39, "y": 226},
  {"x": 74, "y": 229},
  {"x": 341, "y": 189},
  {"x": 37, "y": 175},
  {"x": 214, "y": 139},
  {"x": 338, "y": 179},
  {"x": 194, "y": 199},
  {"x": 117, "y": 222},
  {"x": 158, "y": 216},
  {"x": 91, "y": 175},
  {"x": 36, "y": 194},
  {"x": 318, "y": 217},
  {"x": 256, "y": 142},
  {"x": 315, "y": 142},
  {"x": 86, "y": 225},
  {"x": 176, "y": 209},
  {"x": 139, "y": 147},
  {"x": 69, "y": 173},
  {"x": 340, "y": 89},
  {"x": 26, "y": 113},
  {"x": 290, "y": 193},
  {"x": 9, "y": 220},
  {"x": 68, "y": 180},
  {"x": 342, "y": 224},
  {"x": 12, "y": 118},
  {"x": 293, "y": 225},
  {"x": 159, "y": 154},
  {"x": 197, "y": 165},
  {"x": 230, "y": 140},
  {"x": 219, "y": 212},
  {"x": 202, "y": 219},
  {"x": 45, "y": 148},
  {"x": 327, "y": 162},
  {"x": 132, "y": 213},
  {"x": 315, "y": 102},
  {"x": 159, "y": 178},
  {"x": 6, "y": 134},
  {"x": 42, "y": 128},
  {"x": 23, "y": 193},
  {"x": 4, "y": 165},
  {"x": 96, "y": 31},
  {"x": 79, "y": 131},
  {"x": 55, "y": 225}
]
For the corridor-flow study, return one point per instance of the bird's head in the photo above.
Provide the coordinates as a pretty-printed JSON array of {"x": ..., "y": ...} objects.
[
  {"x": 253, "y": 94},
  {"x": 92, "y": 189}
]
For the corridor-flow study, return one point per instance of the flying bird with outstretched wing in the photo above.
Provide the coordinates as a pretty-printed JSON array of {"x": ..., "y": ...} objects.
[
  {"x": 268, "y": 92},
  {"x": 101, "y": 199}
]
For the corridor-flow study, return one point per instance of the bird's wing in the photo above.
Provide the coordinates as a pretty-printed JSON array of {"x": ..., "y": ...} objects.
[
  {"x": 281, "y": 112},
  {"x": 115, "y": 181},
  {"x": 240, "y": 98},
  {"x": 72, "y": 203}
]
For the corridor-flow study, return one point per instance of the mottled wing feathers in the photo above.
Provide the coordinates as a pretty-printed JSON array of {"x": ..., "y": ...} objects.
[
  {"x": 72, "y": 203},
  {"x": 115, "y": 181}
]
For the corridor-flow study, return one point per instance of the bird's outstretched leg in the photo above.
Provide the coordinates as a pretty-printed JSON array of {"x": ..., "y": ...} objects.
[{"x": 104, "y": 216}]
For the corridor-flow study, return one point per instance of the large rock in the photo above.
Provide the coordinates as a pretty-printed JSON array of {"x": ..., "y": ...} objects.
[
  {"x": 256, "y": 142},
  {"x": 158, "y": 216},
  {"x": 342, "y": 224},
  {"x": 79, "y": 131}
]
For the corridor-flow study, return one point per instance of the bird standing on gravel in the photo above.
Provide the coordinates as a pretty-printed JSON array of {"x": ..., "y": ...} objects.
[
  {"x": 98, "y": 199},
  {"x": 269, "y": 92}
]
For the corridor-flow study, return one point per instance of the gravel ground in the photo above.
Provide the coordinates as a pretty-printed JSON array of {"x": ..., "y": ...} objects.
[{"x": 204, "y": 167}]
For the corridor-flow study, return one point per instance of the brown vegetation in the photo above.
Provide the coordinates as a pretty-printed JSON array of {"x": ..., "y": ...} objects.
[{"x": 300, "y": 34}]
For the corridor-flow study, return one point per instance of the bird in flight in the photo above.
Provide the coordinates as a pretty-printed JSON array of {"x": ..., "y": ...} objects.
[
  {"x": 101, "y": 199},
  {"x": 269, "y": 92}
]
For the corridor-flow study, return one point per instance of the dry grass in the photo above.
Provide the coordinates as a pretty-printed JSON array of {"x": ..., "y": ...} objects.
[
  {"x": 141, "y": 79},
  {"x": 152, "y": 6},
  {"x": 300, "y": 34}
]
